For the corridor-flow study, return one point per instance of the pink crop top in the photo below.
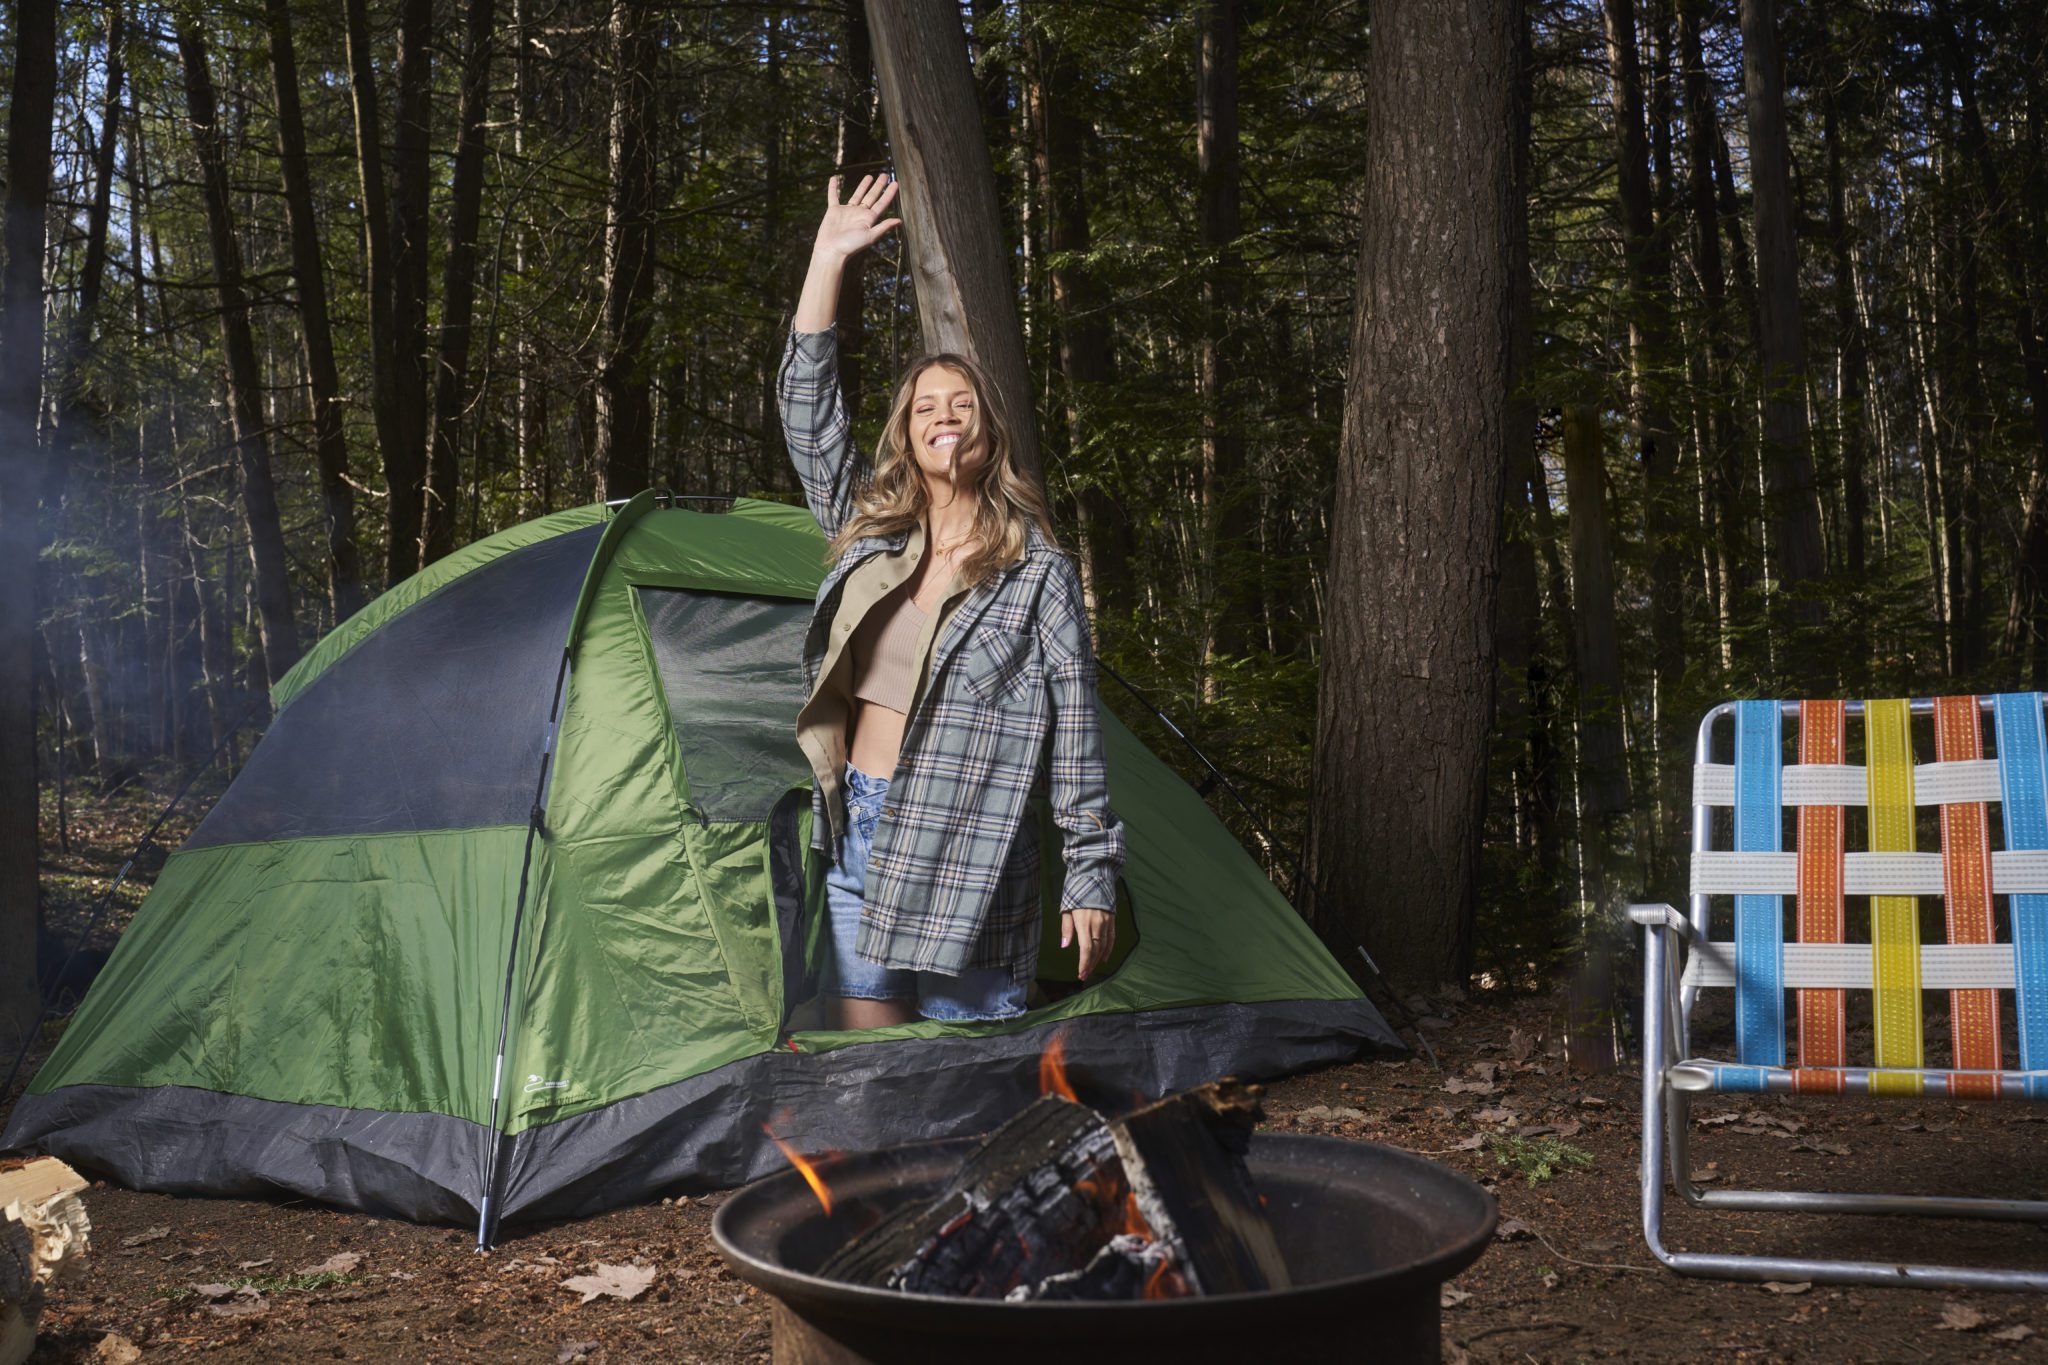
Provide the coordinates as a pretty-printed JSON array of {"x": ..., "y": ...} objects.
[{"x": 884, "y": 649}]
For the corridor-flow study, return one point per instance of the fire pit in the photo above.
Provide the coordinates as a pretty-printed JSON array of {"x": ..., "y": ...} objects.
[{"x": 1369, "y": 1233}]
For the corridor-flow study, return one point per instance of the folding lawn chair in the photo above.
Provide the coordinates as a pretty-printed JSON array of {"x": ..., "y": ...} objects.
[{"x": 1814, "y": 959}]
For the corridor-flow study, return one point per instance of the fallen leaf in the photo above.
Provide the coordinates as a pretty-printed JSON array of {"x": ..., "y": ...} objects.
[
  {"x": 1716, "y": 1120},
  {"x": 213, "y": 1291},
  {"x": 577, "y": 1350},
  {"x": 1496, "y": 1114},
  {"x": 1451, "y": 1298},
  {"x": 1511, "y": 1230},
  {"x": 1550, "y": 1279},
  {"x": 116, "y": 1349},
  {"x": 1570, "y": 1130},
  {"x": 340, "y": 1263},
  {"x": 1457, "y": 1086},
  {"x": 2019, "y": 1331},
  {"x": 1829, "y": 1148},
  {"x": 1959, "y": 1317},
  {"x": 247, "y": 1303},
  {"x": 153, "y": 1235},
  {"x": 254, "y": 1265},
  {"x": 1705, "y": 1177},
  {"x": 1787, "y": 1286},
  {"x": 1470, "y": 1144},
  {"x": 618, "y": 1281},
  {"x": 1485, "y": 1071},
  {"x": 1591, "y": 1102},
  {"x": 1521, "y": 1046},
  {"x": 1531, "y": 1130}
]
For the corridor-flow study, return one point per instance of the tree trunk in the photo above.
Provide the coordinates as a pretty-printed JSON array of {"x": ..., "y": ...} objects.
[
  {"x": 860, "y": 153},
  {"x": 31, "y": 108},
  {"x": 623, "y": 412},
  {"x": 1852, "y": 377},
  {"x": 412, "y": 173},
  {"x": 1087, "y": 349},
  {"x": 401, "y": 475},
  {"x": 1408, "y": 656},
  {"x": 952, "y": 226},
  {"x": 1722, "y": 456},
  {"x": 1229, "y": 566},
  {"x": 1794, "y": 514},
  {"x": 458, "y": 286},
  {"x": 1596, "y": 643},
  {"x": 323, "y": 381},
  {"x": 252, "y": 440},
  {"x": 1651, "y": 373}
]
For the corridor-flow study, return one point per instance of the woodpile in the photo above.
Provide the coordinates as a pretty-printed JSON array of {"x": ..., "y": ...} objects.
[{"x": 44, "y": 1234}]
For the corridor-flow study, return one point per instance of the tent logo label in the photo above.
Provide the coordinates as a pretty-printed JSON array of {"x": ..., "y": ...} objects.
[{"x": 534, "y": 1085}]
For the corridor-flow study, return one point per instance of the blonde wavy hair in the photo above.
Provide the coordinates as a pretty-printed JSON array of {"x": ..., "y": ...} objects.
[{"x": 1007, "y": 503}]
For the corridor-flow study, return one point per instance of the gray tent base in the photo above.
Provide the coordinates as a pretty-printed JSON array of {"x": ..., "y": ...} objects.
[{"x": 702, "y": 1134}]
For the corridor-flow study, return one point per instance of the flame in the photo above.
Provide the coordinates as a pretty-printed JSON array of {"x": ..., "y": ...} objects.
[
  {"x": 1052, "y": 1070},
  {"x": 804, "y": 1169},
  {"x": 1134, "y": 1219},
  {"x": 1165, "y": 1283}
]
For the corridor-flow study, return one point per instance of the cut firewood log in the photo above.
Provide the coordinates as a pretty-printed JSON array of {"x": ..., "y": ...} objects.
[
  {"x": 1184, "y": 1159},
  {"x": 1028, "y": 1203},
  {"x": 43, "y": 1235}
]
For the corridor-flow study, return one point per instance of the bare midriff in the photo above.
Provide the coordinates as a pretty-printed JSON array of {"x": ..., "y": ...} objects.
[{"x": 874, "y": 733}]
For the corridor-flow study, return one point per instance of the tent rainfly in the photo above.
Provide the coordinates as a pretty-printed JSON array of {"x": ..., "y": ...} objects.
[{"x": 508, "y": 913}]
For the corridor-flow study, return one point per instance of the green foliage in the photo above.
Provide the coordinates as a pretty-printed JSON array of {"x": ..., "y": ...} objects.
[{"x": 1537, "y": 1159}]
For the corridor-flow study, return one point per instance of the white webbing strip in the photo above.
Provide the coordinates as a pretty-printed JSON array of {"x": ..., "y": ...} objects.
[
  {"x": 1844, "y": 784},
  {"x": 1863, "y": 874},
  {"x": 1846, "y": 966}
]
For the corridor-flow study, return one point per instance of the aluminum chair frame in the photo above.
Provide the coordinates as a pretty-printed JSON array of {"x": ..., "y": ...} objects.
[{"x": 1667, "y": 1021}]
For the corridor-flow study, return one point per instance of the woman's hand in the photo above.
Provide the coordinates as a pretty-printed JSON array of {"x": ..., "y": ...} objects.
[
  {"x": 845, "y": 230},
  {"x": 858, "y": 223},
  {"x": 1097, "y": 929}
]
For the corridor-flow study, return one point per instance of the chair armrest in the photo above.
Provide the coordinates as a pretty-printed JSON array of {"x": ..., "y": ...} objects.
[{"x": 1661, "y": 917}]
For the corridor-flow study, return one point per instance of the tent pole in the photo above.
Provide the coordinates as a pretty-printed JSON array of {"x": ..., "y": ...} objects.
[{"x": 533, "y": 827}]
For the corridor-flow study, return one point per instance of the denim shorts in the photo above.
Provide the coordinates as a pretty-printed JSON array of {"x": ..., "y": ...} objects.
[{"x": 978, "y": 993}]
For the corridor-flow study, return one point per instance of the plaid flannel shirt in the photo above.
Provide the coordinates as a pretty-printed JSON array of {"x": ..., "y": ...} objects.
[{"x": 953, "y": 878}]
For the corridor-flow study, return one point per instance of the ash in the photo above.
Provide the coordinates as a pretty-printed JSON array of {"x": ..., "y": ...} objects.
[{"x": 1120, "y": 1270}]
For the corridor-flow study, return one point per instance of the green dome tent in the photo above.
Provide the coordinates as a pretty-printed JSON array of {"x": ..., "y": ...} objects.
[{"x": 315, "y": 995}]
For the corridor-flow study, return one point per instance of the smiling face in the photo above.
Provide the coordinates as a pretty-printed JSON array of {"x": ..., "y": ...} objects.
[{"x": 944, "y": 435}]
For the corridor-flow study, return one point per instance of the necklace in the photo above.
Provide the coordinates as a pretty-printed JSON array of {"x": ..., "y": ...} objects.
[{"x": 950, "y": 545}]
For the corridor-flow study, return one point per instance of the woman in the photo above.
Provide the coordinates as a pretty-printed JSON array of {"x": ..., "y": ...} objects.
[{"x": 947, "y": 661}]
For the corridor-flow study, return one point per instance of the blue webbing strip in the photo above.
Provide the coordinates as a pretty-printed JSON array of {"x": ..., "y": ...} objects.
[
  {"x": 1739, "y": 1080},
  {"x": 1759, "y": 920},
  {"x": 2023, "y": 778}
]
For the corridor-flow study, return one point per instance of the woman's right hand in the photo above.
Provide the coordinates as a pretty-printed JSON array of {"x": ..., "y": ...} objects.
[{"x": 858, "y": 223}]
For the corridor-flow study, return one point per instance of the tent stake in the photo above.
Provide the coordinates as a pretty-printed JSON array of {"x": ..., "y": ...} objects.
[{"x": 533, "y": 826}]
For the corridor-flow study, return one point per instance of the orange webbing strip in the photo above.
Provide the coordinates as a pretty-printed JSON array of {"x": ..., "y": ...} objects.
[
  {"x": 1821, "y": 1029},
  {"x": 1966, "y": 887}
]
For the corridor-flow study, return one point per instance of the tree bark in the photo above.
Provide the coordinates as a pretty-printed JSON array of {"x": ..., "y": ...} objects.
[
  {"x": 31, "y": 107},
  {"x": 1596, "y": 643},
  {"x": 623, "y": 408},
  {"x": 1852, "y": 378},
  {"x": 401, "y": 477},
  {"x": 252, "y": 440},
  {"x": 1087, "y": 350},
  {"x": 323, "y": 379},
  {"x": 1794, "y": 513},
  {"x": 1408, "y": 657},
  {"x": 458, "y": 286},
  {"x": 412, "y": 143},
  {"x": 953, "y": 229}
]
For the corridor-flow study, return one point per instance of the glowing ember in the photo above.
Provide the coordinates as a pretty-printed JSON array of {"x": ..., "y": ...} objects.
[
  {"x": 803, "y": 1168},
  {"x": 1052, "y": 1070}
]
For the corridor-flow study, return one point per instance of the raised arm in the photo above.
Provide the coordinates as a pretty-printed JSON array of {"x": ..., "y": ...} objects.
[{"x": 814, "y": 418}]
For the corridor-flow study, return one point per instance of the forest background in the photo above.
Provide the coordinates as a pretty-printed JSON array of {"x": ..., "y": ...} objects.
[{"x": 321, "y": 292}]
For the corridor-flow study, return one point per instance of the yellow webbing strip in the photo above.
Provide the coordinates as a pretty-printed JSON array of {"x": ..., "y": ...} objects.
[{"x": 1894, "y": 920}]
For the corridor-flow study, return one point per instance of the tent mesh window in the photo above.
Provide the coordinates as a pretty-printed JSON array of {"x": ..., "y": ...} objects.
[{"x": 732, "y": 668}]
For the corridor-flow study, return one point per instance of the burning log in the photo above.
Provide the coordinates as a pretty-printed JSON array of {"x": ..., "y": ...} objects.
[
  {"x": 1019, "y": 1210},
  {"x": 1060, "y": 1203}
]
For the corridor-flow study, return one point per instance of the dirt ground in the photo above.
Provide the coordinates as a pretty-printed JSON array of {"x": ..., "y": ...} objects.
[{"x": 1567, "y": 1279}]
